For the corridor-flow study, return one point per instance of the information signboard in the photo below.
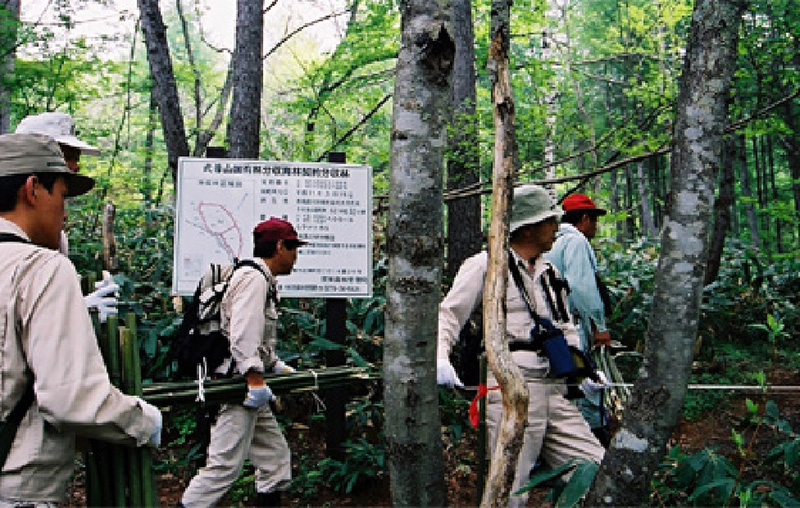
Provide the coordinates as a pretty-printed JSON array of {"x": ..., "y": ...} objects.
[{"x": 219, "y": 202}]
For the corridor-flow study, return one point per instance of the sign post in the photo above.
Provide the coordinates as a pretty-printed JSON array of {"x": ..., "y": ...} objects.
[{"x": 336, "y": 331}]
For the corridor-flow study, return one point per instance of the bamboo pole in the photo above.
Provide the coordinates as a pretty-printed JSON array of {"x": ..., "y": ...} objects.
[
  {"x": 127, "y": 347},
  {"x": 235, "y": 389},
  {"x": 146, "y": 475}
]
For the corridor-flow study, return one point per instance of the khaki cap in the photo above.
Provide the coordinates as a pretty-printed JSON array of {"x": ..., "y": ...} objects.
[
  {"x": 26, "y": 154},
  {"x": 58, "y": 126},
  {"x": 531, "y": 204}
]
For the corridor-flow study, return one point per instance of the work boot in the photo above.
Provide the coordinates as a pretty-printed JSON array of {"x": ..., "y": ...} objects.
[{"x": 268, "y": 499}]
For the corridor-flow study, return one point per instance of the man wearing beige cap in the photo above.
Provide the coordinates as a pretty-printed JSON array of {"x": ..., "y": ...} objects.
[
  {"x": 249, "y": 318},
  {"x": 54, "y": 383},
  {"x": 555, "y": 431},
  {"x": 61, "y": 127}
]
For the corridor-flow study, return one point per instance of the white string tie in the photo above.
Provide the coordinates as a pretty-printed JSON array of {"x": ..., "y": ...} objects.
[
  {"x": 320, "y": 404},
  {"x": 201, "y": 377}
]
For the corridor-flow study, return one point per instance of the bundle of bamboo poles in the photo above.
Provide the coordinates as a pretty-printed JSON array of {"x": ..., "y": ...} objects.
[
  {"x": 234, "y": 389},
  {"x": 119, "y": 475}
]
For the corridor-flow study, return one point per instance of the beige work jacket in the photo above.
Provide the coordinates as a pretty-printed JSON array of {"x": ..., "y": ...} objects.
[
  {"x": 467, "y": 293},
  {"x": 249, "y": 317},
  {"x": 46, "y": 332}
]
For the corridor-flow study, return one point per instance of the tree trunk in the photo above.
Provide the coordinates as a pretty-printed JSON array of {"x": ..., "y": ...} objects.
[
  {"x": 463, "y": 214},
  {"x": 149, "y": 141},
  {"x": 414, "y": 245},
  {"x": 648, "y": 226},
  {"x": 9, "y": 23},
  {"x": 247, "y": 80},
  {"x": 791, "y": 143},
  {"x": 511, "y": 429},
  {"x": 769, "y": 150},
  {"x": 164, "y": 87},
  {"x": 747, "y": 192},
  {"x": 722, "y": 211},
  {"x": 658, "y": 395},
  {"x": 109, "y": 240}
]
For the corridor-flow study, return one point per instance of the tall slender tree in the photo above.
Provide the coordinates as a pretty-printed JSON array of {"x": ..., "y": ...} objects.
[
  {"x": 657, "y": 398},
  {"x": 164, "y": 87},
  {"x": 510, "y": 431},
  {"x": 463, "y": 166},
  {"x": 9, "y": 22},
  {"x": 414, "y": 246},
  {"x": 248, "y": 80}
]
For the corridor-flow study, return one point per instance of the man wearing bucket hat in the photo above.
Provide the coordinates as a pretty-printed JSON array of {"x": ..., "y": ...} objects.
[
  {"x": 555, "y": 429},
  {"x": 55, "y": 384},
  {"x": 249, "y": 317},
  {"x": 61, "y": 127},
  {"x": 574, "y": 257}
]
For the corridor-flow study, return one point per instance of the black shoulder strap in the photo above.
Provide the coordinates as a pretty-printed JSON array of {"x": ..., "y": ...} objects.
[
  {"x": 11, "y": 237},
  {"x": 252, "y": 264},
  {"x": 517, "y": 276},
  {"x": 271, "y": 293},
  {"x": 8, "y": 429}
]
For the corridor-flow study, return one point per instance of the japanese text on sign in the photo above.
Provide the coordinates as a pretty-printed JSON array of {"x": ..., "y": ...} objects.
[{"x": 221, "y": 200}]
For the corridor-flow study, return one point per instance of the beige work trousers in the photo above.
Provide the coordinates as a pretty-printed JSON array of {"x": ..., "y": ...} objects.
[
  {"x": 555, "y": 428},
  {"x": 240, "y": 433}
]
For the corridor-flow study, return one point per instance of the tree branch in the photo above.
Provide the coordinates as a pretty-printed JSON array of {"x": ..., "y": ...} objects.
[{"x": 356, "y": 126}]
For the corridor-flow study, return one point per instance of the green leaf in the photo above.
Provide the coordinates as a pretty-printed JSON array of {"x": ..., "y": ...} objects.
[
  {"x": 725, "y": 486},
  {"x": 578, "y": 484},
  {"x": 771, "y": 410}
]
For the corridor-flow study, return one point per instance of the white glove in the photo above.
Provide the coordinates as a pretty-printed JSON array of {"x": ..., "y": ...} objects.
[
  {"x": 104, "y": 297},
  {"x": 153, "y": 413},
  {"x": 258, "y": 396},
  {"x": 281, "y": 368},
  {"x": 446, "y": 374},
  {"x": 592, "y": 388}
]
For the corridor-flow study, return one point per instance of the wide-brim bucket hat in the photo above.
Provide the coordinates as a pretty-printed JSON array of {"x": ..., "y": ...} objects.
[{"x": 532, "y": 204}]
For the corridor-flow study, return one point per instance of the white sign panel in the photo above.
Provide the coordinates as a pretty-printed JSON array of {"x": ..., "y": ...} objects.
[{"x": 220, "y": 201}]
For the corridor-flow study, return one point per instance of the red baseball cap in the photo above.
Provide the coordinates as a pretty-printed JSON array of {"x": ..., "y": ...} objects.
[
  {"x": 275, "y": 229},
  {"x": 581, "y": 202}
]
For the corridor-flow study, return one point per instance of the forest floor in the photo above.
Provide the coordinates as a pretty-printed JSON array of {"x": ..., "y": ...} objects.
[{"x": 713, "y": 429}]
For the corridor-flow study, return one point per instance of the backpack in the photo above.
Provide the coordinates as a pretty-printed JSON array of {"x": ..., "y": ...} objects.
[{"x": 200, "y": 339}]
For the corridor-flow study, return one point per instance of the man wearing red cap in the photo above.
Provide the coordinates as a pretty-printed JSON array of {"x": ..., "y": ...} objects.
[
  {"x": 574, "y": 257},
  {"x": 249, "y": 318}
]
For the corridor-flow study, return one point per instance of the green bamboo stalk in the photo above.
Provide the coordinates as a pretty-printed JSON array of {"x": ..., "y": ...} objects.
[
  {"x": 102, "y": 491},
  {"x": 232, "y": 389},
  {"x": 113, "y": 360},
  {"x": 100, "y": 487},
  {"x": 149, "y": 492},
  {"x": 94, "y": 484},
  {"x": 144, "y": 455},
  {"x": 128, "y": 349}
]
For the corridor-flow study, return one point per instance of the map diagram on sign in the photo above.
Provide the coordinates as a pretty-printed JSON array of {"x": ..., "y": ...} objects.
[
  {"x": 220, "y": 224},
  {"x": 212, "y": 226}
]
